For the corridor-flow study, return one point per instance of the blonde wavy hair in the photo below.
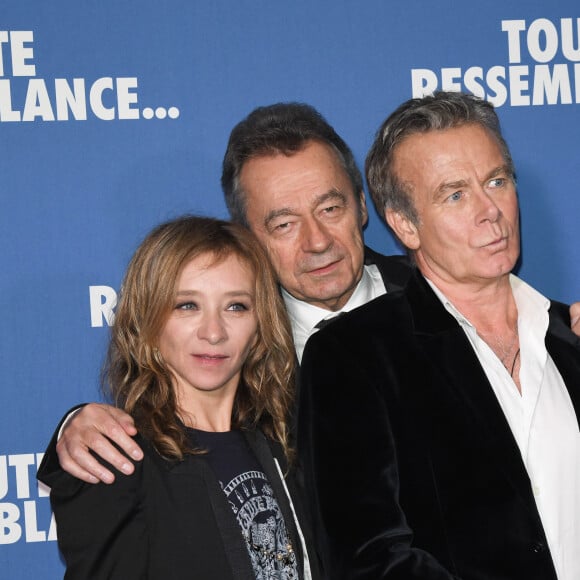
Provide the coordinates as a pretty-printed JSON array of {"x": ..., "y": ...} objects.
[{"x": 135, "y": 375}]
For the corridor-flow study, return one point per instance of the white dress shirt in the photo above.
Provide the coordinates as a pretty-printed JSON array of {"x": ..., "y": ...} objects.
[
  {"x": 542, "y": 420},
  {"x": 304, "y": 316}
]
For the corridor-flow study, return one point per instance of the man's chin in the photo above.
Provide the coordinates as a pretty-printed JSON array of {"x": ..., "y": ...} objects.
[{"x": 331, "y": 296}]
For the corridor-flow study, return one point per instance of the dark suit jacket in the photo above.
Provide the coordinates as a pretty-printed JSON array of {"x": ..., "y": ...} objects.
[
  {"x": 408, "y": 457},
  {"x": 395, "y": 270},
  {"x": 167, "y": 521}
]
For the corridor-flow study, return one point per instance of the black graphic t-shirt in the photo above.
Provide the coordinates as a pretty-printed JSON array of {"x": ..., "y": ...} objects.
[{"x": 252, "y": 500}]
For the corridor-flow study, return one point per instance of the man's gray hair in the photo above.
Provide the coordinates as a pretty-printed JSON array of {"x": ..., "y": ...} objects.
[{"x": 440, "y": 111}]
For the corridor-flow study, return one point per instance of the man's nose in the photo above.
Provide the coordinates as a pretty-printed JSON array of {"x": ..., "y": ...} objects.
[
  {"x": 315, "y": 236},
  {"x": 488, "y": 210}
]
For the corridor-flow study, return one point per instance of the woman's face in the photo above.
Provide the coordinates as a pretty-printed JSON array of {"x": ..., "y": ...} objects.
[{"x": 211, "y": 328}]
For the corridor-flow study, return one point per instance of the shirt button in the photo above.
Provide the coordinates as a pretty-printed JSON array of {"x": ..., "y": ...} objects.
[
  {"x": 538, "y": 547},
  {"x": 536, "y": 490}
]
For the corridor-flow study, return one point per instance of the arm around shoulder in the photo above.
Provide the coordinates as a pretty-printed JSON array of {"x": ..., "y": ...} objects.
[{"x": 103, "y": 430}]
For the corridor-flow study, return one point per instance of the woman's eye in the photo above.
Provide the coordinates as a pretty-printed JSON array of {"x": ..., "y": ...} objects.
[
  {"x": 237, "y": 307},
  {"x": 186, "y": 306}
]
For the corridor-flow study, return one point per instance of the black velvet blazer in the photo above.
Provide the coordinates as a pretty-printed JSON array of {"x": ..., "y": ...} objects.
[
  {"x": 408, "y": 458},
  {"x": 167, "y": 521}
]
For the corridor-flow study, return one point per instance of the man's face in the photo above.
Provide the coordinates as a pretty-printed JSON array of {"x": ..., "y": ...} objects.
[
  {"x": 465, "y": 197},
  {"x": 304, "y": 211}
]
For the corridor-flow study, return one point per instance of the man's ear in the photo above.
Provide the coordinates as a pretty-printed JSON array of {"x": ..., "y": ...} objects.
[
  {"x": 364, "y": 214},
  {"x": 404, "y": 229}
]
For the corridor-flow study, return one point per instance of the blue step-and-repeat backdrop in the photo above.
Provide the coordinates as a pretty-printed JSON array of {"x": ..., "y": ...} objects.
[{"x": 114, "y": 116}]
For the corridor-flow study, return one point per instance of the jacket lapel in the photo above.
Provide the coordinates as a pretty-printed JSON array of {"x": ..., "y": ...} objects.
[
  {"x": 235, "y": 547},
  {"x": 450, "y": 352},
  {"x": 564, "y": 348}
]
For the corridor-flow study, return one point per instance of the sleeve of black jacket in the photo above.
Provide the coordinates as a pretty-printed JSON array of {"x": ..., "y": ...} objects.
[
  {"x": 349, "y": 456},
  {"x": 101, "y": 528}
]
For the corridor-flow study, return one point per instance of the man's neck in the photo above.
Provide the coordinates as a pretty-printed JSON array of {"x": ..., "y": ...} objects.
[{"x": 489, "y": 305}]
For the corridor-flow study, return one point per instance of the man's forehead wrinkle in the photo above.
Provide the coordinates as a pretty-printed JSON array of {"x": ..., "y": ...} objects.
[
  {"x": 459, "y": 183},
  {"x": 331, "y": 194},
  {"x": 454, "y": 184}
]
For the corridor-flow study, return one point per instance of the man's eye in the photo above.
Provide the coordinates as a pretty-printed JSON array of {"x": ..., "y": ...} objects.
[
  {"x": 497, "y": 182},
  {"x": 334, "y": 210},
  {"x": 455, "y": 196}
]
